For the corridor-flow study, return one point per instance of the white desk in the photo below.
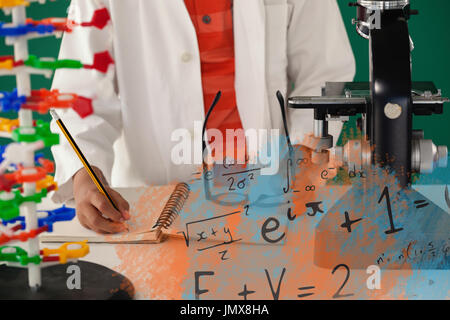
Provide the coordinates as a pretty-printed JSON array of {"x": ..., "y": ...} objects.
[{"x": 158, "y": 271}]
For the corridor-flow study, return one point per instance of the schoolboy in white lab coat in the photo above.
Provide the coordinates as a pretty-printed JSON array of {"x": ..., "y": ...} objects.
[{"x": 294, "y": 46}]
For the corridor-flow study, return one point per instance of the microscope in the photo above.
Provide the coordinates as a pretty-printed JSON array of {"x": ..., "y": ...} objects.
[
  {"x": 386, "y": 104},
  {"x": 389, "y": 223}
]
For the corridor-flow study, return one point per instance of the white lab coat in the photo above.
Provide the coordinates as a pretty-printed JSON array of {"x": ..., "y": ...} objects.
[{"x": 279, "y": 44}]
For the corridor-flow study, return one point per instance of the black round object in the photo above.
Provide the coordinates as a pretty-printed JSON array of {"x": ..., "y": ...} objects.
[
  {"x": 206, "y": 19},
  {"x": 97, "y": 283}
]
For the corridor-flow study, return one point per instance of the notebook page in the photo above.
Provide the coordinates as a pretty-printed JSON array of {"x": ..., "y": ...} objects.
[{"x": 146, "y": 204}]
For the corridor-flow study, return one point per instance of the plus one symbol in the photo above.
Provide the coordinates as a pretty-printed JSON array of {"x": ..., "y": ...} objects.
[{"x": 348, "y": 223}]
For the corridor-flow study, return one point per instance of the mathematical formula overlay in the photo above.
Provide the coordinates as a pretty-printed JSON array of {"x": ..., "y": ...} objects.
[{"x": 308, "y": 232}]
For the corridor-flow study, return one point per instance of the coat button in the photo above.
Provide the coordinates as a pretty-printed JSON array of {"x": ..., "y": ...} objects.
[{"x": 186, "y": 57}]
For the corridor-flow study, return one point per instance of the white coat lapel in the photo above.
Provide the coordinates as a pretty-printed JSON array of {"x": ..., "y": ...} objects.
[{"x": 250, "y": 35}]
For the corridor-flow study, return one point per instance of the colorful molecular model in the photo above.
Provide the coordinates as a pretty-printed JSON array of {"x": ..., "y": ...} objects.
[{"x": 25, "y": 177}]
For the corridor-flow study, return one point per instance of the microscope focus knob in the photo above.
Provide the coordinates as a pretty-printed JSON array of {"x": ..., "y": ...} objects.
[
  {"x": 442, "y": 156},
  {"x": 426, "y": 156},
  {"x": 356, "y": 155}
]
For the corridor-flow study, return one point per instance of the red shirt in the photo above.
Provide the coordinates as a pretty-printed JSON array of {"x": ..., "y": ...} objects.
[{"x": 213, "y": 22}]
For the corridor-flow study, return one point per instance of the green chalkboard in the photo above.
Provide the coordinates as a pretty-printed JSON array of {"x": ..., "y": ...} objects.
[{"x": 429, "y": 31}]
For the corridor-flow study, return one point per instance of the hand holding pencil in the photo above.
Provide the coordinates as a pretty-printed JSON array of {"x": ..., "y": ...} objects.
[
  {"x": 94, "y": 211},
  {"x": 98, "y": 207}
]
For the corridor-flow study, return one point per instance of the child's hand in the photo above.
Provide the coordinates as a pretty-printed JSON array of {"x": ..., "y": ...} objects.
[{"x": 94, "y": 211}]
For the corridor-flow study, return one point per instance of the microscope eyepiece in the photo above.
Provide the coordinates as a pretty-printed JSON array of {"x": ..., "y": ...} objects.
[
  {"x": 369, "y": 13},
  {"x": 383, "y": 4}
]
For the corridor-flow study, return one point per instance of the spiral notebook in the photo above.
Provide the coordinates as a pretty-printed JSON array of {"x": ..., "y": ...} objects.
[
  {"x": 159, "y": 212},
  {"x": 153, "y": 211}
]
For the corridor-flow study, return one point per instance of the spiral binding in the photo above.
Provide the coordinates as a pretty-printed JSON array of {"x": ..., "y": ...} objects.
[{"x": 173, "y": 206}]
